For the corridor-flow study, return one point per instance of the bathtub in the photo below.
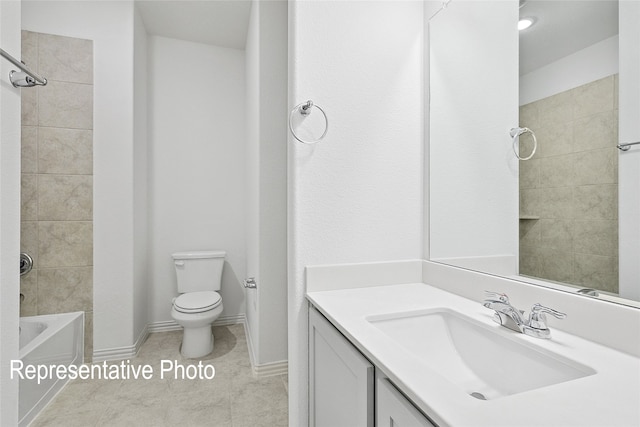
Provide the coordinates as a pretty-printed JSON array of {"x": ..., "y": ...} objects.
[{"x": 47, "y": 340}]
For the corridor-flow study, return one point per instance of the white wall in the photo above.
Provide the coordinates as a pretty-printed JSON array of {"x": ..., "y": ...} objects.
[
  {"x": 9, "y": 212},
  {"x": 252, "y": 162},
  {"x": 196, "y": 164},
  {"x": 587, "y": 65},
  {"x": 267, "y": 180},
  {"x": 140, "y": 187},
  {"x": 356, "y": 196},
  {"x": 629, "y": 161},
  {"x": 110, "y": 26},
  {"x": 473, "y": 169},
  {"x": 272, "y": 291}
]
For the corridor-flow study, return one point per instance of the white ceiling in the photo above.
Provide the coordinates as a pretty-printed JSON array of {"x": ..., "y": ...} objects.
[
  {"x": 563, "y": 27},
  {"x": 216, "y": 22}
]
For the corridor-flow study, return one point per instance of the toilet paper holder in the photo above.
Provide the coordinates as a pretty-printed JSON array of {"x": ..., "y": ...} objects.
[{"x": 250, "y": 283}]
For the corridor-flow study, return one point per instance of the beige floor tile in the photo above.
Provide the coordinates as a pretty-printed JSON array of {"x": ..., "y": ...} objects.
[
  {"x": 233, "y": 397},
  {"x": 84, "y": 418}
]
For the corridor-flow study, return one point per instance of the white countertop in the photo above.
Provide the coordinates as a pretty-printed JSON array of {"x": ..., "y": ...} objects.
[{"x": 610, "y": 397}]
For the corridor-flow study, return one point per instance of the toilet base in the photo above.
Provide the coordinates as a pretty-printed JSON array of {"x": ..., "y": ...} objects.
[{"x": 197, "y": 342}]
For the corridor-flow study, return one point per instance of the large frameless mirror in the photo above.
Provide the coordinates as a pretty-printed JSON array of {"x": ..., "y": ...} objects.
[{"x": 558, "y": 218}]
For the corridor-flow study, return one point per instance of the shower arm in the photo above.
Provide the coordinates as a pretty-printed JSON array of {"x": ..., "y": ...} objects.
[{"x": 39, "y": 79}]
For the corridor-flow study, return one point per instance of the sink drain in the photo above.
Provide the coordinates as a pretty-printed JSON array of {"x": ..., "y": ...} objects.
[{"x": 478, "y": 395}]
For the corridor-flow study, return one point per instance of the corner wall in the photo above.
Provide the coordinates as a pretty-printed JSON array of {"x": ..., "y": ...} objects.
[
  {"x": 357, "y": 195},
  {"x": 140, "y": 181},
  {"x": 266, "y": 66}
]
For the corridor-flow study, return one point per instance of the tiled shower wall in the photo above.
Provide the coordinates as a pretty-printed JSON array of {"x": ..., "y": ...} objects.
[
  {"x": 57, "y": 178},
  {"x": 569, "y": 189}
]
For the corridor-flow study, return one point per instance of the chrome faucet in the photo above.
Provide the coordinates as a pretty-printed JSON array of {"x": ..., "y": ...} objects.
[{"x": 512, "y": 318}]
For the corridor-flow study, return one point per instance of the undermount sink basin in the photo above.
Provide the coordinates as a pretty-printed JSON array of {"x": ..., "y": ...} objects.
[{"x": 484, "y": 362}]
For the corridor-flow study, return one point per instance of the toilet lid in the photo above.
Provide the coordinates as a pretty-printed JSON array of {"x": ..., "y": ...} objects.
[{"x": 193, "y": 302}]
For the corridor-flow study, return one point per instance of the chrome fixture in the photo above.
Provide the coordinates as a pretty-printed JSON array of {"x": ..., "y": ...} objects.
[
  {"x": 25, "y": 77},
  {"x": 250, "y": 283},
  {"x": 589, "y": 292},
  {"x": 626, "y": 146},
  {"x": 512, "y": 318},
  {"x": 515, "y": 134},
  {"x": 26, "y": 263},
  {"x": 305, "y": 110}
]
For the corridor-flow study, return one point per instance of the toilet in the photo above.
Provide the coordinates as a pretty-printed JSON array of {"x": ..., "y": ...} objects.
[{"x": 199, "y": 276}]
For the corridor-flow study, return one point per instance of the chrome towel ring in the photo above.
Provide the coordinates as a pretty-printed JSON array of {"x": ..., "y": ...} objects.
[
  {"x": 515, "y": 134},
  {"x": 305, "y": 109}
]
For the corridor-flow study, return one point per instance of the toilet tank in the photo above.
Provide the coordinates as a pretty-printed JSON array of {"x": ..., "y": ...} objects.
[{"x": 199, "y": 270}]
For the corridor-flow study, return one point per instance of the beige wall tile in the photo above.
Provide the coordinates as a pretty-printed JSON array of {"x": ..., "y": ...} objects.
[
  {"x": 577, "y": 196},
  {"x": 556, "y": 203},
  {"x": 557, "y": 171},
  {"x": 29, "y": 240},
  {"x": 29, "y": 197},
  {"x": 29, "y": 47},
  {"x": 555, "y": 110},
  {"x": 596, "y": 167},
  {"x": 62, "y": 290},
  {"x": 529, "y": 116},
  {"x": 596, "y": 237},
  {"x": 65, "y": 244},
  {"x": 554, "y": 140},
  {"x": 556, "y": 264},
  {"x": 598, "y": 272},
  {"x": 597, "y": 131},
  {"x": 29, "y": 106},
  {"x": 556, "y": 234},
  {"x": 529, "y": 232},
  {"x": 65, "y": 197},
  {"x": 29, "y": 149},
  {"x": 29, "y": 288},
  {"x": 65, "y": 151},
  {"x": 530, "y": 173},
  {"x": 66, "y": 59},
  {"x": 596, "y": 201},
  {"x": 66, "y": 105},
  {"x": 595, "y": 97},
  {"x": 530, "y": 201}
]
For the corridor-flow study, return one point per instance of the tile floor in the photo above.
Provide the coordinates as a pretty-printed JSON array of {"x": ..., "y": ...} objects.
[{"x": 232, "y": 398}]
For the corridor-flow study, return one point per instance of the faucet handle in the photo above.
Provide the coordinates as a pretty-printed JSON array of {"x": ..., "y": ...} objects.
[
  {"x": 496, "y": 296},
  {"x": 537, "y": 318}
]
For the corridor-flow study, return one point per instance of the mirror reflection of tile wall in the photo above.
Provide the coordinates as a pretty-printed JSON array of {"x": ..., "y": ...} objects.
[
  {"x": 57, "y": 179},
  {"x": 569, "y": 190}
]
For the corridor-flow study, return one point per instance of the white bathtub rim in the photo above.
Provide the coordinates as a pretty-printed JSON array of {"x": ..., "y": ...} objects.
[{"x": 54, "y": 322}]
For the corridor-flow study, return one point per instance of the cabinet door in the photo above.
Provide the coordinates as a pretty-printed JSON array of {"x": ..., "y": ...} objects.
[
  {"x": 340, "y": 378},
  {"x": 394, "y": 410}
]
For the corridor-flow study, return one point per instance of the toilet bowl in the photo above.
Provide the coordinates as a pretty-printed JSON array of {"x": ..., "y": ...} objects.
[{"x": 199, "y": 304}]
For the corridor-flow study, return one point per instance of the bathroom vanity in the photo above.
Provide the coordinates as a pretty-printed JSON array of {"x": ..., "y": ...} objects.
[{"x": 415, "y": 354}]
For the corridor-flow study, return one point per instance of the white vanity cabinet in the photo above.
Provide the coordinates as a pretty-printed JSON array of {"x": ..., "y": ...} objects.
[
  {"x": 340, "y": 378},
  {"x": 341, "y": 385},
  {"x": 394, "y": 410}
]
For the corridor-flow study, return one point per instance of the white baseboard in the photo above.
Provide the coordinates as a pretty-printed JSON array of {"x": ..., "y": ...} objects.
[
  {"x": 120, "y": 353},
  {"x": 164, "y": 326},
  {"x": 247, "y": 333},
  {"x": 270, "y": 369},
  {"x": 172, "y": 325},
  {"x": 266, "y": 369}
]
